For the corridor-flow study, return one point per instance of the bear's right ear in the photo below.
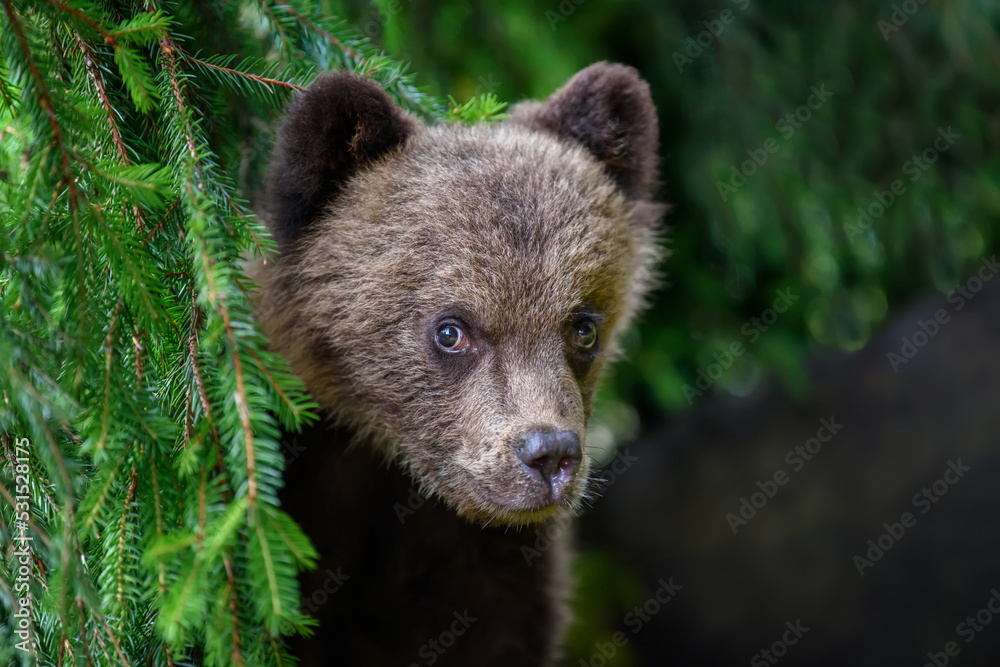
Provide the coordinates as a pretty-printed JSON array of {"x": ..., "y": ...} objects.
[{"x": 336, "y": 127}]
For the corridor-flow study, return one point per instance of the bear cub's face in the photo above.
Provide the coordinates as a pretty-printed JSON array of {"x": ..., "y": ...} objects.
[{"x": 452, "y": 293}]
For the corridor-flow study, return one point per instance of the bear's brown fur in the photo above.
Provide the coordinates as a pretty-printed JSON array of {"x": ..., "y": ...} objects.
[{"x": 439, "y": 289}]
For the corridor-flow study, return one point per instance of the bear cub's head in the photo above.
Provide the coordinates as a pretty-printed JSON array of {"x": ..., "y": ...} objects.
[{"x": 451, "y": 293}]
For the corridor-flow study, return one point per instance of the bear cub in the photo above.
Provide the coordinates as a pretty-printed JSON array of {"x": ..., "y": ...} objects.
[{"x": 450, "y": 295}]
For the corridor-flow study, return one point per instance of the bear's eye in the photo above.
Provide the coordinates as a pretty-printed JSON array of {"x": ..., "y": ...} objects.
[
  {"x": 585, "y": 334},
  {"x": 451, "y": 339}
]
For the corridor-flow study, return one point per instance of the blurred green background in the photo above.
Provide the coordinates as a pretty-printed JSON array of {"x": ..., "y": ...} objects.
[{"x": 725, "y": 76}]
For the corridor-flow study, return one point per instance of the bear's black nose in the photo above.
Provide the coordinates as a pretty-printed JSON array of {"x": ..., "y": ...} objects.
[{"x": 551, "y": 457}]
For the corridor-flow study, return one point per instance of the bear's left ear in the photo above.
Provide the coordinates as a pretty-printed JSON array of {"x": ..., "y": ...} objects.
[
  {"x": 341, "y": 124},
  {"x": 608, "y": 109}
]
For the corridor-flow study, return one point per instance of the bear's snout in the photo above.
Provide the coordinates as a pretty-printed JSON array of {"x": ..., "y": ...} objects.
[{"x": 550, "y": 458}]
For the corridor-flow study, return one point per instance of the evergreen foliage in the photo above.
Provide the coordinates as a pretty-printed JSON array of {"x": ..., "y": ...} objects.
[{"x": 140, "y": 404}]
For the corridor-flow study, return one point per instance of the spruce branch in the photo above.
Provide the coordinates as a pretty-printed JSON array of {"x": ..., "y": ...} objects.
[
  {"x": 109, "y": 350},
  {"x": 279, "y": 29},
  {"x": 239, "y": 72},
  {"x": 76, "y": 13},
  {"x": 131, "y": 355},
  {"x": 94, "y": 72},
  {"x": 233, "y": 597},
  {"x": 120, "y": 594},
  {"x": 313, "y": 26},
  {"x": 45, "y": 101}
]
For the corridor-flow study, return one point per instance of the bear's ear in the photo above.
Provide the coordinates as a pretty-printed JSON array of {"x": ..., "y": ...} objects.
[
  {"x": 608, "y": 109},
  {"x": 329, "y": 132}
]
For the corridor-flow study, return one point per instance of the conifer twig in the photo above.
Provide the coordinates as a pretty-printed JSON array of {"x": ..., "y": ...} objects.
[
  {"x": 162, "y": 220},
  {"x": 195, "y": 369},
  {"x": 94, "y": 72},
  {"x": 109, "y": 349},
  {"x": 45, "y": 100},
  {"x": 237, "y": 658},
  {"x": 121, "y": 539},
  {"x": 169, "y": 49},
  {"x": 304, "y": 20},
  {"x": 243, "y": 409},
  {"x": 253, "y": 77},
  {"x": 282, "y": 38},
  {"x": 108, "y": 37}
]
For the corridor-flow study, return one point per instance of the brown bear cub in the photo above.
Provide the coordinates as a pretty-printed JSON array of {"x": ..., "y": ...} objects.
[{"x": 449, "y": 296}]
